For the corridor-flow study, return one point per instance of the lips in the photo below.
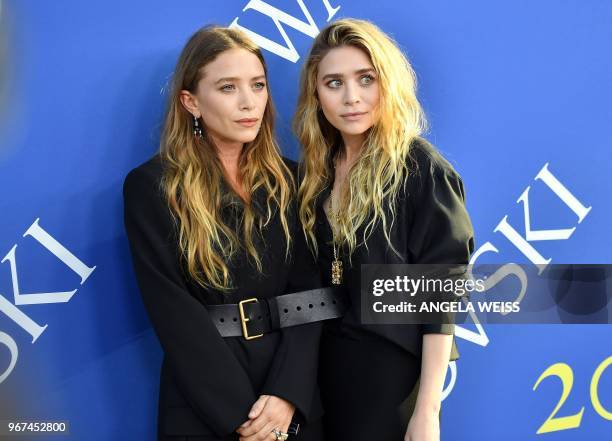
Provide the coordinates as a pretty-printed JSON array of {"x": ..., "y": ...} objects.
[
  {"x": 352, "y": 116},
  {"x": 248, "y": 122}
]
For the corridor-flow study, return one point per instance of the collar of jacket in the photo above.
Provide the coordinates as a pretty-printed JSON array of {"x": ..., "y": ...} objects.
[{"x": 231, "y": 203}]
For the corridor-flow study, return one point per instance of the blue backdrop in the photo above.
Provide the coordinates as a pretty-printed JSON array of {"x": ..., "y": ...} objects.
[{"x": 515, "y": 91}]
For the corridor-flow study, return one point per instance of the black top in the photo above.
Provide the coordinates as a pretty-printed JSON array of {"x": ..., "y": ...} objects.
[
  {"x": 209, "y": 383},
  {"x": 431, "y": 226}
]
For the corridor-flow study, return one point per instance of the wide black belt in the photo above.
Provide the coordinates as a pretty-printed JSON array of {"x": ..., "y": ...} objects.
[{"x": 251, "y": 318}]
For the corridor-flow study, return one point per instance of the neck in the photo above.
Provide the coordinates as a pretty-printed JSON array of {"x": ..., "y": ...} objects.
[
  {"x": 229, "y": 155},
  {"x": 352, "y": 147}
]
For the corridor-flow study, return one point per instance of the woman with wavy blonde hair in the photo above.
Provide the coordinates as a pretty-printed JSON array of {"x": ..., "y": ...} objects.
[
  {"x": 374, "y": 192},
  {"x": 224, "y": 273}
]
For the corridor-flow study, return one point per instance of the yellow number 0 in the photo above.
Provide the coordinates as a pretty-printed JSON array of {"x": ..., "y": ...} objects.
[
  {"x": 552, "y": 424},
  {"x": 594, "y": 383}
]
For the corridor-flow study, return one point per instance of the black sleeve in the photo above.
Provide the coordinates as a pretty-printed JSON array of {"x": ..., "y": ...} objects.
[
  {"x": 441, "y": 230},
  {"x": 207, "y": 373},
  {"x": 293, "y": 374}
]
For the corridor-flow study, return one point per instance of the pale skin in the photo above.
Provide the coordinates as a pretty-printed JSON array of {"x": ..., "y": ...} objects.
[
  {"x": 230, "y": 99},
  {"x": 348, "y": 93}
]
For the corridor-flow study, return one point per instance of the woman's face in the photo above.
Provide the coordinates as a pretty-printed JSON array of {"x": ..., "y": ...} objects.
[
  {"x": 230, "y": 97},
  {"x": 347, "y": 87}
]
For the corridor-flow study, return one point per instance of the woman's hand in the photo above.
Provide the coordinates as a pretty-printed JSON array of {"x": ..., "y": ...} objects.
[
  {"x": 268, "y": 413},
  {"x": 424, "y": 425}
]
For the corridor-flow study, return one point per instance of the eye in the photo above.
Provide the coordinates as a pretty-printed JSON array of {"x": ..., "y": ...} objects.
[
  {"x": 260, "y": 85},
  {"x": 227, "y": 88},
  {"x": 367, "y": 79},
  {"x": 334, "y": 84}
]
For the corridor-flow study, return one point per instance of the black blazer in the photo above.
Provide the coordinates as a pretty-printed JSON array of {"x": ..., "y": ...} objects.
[
  {"x": 431, "y": 226},
  {"x": 209, "y": 383}
]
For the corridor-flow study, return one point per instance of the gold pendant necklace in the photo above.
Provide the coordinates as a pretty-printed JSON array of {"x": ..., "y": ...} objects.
[
  {"x": 336, "y": 269},
  {"x": 336, "y": 266}
]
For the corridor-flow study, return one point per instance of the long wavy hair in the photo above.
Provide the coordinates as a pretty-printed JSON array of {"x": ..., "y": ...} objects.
[
  {"x": 377, "y": 175},
  {"x": 193, "y": 173}
]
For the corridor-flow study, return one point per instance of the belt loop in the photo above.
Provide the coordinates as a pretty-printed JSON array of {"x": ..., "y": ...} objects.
[{"x": 274, "y": 317}]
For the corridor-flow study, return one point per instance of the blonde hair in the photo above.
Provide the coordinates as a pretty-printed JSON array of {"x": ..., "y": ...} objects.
[
  {"x": 378, "y": 173},
  {"x": 193, "y": 173}
]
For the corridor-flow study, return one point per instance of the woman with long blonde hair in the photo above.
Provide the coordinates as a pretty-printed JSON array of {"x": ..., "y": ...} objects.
[
  {"x": 225, "y": 276},
  {"x": 373, "y": 191}
]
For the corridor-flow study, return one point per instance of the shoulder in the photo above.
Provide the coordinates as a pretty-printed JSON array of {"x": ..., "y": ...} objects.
[
  {"x": 151, "y": 170},
  {"x": 144, "y": 181},
  {"x": 430, "y": 172},
  {"x": 425, "y": 159}
]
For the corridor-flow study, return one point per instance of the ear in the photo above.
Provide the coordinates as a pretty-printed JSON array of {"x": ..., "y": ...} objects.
[{"x": 190, "y": 102}]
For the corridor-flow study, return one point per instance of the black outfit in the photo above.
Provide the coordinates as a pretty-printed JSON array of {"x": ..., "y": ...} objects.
[
  {"x": 209, "y": 383},
  {"x": 367, "y": 371}
]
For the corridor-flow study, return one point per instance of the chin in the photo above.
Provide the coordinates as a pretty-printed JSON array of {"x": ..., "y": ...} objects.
[
  {"x": 354, "y": 130},
  {"x": 246, "y": 139},
  {"x": 247, "y": 136}
]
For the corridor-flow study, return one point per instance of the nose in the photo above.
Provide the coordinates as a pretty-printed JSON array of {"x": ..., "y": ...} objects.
[
  {"x": 247, "y": 101},
  {"x": 351, "y": 94}
]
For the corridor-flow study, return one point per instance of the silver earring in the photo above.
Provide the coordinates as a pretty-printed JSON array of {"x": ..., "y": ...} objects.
[{"x": 197, "y": 130}]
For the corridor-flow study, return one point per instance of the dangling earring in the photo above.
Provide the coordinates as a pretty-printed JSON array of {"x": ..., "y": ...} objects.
[{"x": 197, "y": 130}]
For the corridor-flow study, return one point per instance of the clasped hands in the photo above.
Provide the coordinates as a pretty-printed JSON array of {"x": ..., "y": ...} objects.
[{"x": 268, "y": 413}]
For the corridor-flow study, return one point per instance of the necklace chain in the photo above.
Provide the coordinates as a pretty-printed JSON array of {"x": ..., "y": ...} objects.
[{"x": 336, "y": 266}]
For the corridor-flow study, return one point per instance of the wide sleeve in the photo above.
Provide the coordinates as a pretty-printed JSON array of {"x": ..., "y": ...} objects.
[
  {"x": 208, "y": 375},
  {"x": 441, "y": 230},
  {"x": 293, "y": 374}
]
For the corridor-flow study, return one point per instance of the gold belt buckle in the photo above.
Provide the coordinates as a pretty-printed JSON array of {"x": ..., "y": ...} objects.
[{"x": 244, "y": 319}]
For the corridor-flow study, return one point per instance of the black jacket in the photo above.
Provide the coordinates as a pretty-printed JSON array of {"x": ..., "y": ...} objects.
[
  {"x": 431, "y": 226},
  {"x": 209, "y": 383}
]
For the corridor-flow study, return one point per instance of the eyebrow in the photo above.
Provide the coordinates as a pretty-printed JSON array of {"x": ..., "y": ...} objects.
[
  {"x": 357, "y": 72},
  {"x": 230, "y": 79}
]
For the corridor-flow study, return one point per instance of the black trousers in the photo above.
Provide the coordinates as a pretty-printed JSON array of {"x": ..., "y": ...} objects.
[{"x": 368, "y": 386}]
